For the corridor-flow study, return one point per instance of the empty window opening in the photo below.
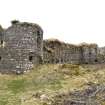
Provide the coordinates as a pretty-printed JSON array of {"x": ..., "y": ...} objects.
[
  {"x": 30, "y": 58},
  {"x": 1, "y": 42},
  {"x": 0, "y": 58},
  {"x": 96, "y": 60},
  {"x": 38, "y": 32}
]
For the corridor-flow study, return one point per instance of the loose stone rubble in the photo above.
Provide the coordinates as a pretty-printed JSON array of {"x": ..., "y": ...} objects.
[{"x": 93, "y": 95}]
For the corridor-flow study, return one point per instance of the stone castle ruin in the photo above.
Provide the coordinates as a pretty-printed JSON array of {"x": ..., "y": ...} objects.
[
  {"x": 55, "y": 51},
  {"x": 22, "y": 46}
]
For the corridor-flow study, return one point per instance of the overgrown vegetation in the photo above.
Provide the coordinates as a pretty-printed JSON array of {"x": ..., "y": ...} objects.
[{"x": 39, "y": 86}]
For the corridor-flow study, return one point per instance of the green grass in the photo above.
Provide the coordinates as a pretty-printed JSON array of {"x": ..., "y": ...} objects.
[
  {"x": 16, "y": 86},
  {"x": 49, "y": 80},
  {"x": 3, "y": 101}
]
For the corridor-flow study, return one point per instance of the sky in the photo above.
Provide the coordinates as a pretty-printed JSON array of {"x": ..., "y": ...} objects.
[{"x": 72, "y": 21}]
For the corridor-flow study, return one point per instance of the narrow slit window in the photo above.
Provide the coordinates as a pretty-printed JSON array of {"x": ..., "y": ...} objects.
[
  {"x": 0, "y": 58},
  {"x": 38, "y": 32},
  {"x": 1, "y": 42},
  {"x": 30, "y": 58}
]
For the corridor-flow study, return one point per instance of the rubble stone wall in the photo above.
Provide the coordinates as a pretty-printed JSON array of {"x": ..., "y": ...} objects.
[
  {"x": 21, "y": 48},
  {"x": 59, "y": 52}
]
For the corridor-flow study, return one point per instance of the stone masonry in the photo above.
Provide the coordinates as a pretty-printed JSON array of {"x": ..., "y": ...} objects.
[
  {"x": 55, "y": 51},
  {"x": 22, "y": 46}
]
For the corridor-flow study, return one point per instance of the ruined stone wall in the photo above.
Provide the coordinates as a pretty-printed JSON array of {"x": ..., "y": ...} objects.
[
  {"x": 101, "y": 54},
  {"x": 23, "y": 43},
  {"x": 72, "y": 53},
  {"x": 1, "y": 35},
  {"x": 59, "y": 52},
  {"x": 22, "y": 46},
  {"x": 89, "y": 53}
]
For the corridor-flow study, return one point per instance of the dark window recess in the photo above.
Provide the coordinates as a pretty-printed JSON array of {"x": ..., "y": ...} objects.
[
  {"x": 0, "y": 58},
  {"x": 90, "y": 53},
  {"x": 30, "y": 58},
  {"x": 96, "y": 60},
  {"x": 86, "y": 63},
  {"x": 38, "y": 37},
  {"x": 38, "y": 32},
  {"x": 1, "y": 41}
]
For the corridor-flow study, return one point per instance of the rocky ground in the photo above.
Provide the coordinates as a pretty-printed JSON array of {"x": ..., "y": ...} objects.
[{"x": 93, "y": 95}]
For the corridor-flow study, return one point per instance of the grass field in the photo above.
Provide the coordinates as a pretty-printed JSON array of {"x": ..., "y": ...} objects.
[{"x": 38, "y": 86}]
